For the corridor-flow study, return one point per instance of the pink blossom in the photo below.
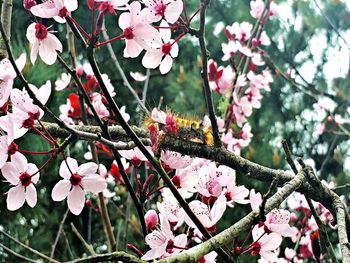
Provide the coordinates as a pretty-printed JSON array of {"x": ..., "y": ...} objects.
[
  {"x": 255, "y": 200},
  {"x": 164, "y": 51},
  {"x": 137, "y": 32},
  {"x": 277, "y": 221},
  {"x": 258, "y": 6},
  {"x": 138, "y": 76},
  {"x": 135, "y": 155},
  {"x": 43, "y": 43},
  {"x": 175, "y": 160},
  {"x": 7, "y": 75},
  {"x": 25, "y": 112},
  {"x": 220, "y": 78},
  {"x": 58, "y": 9},
  {"x": 169, "y": 9},
  {"x": 158, "y": 116},
  {"x": 77, "y": 180},
  {"x": 186, "y": 179},
  {"x": 235, "y": 193},
  {"x": 320, "y": 128},
  {"x": 206, "y": 215},
  {"x": 338, "y": 119},
  {"x": 22, "y": 175},
  {"x": 162, "y": 241},
  {"x": 240, "y": 32},
  {"x": 172, "y": 211},
  {"x": 208, "y": 258},
  {"x": 100, "y": 108},
  {"x": 62, "y": 82},
  {"x": 265, "y": 244},
  {"x": 210, "y": 180},
  {"x": 111, "y": 4}
]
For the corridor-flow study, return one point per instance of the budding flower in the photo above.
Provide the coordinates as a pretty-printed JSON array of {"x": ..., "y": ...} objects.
[{"x": 151, "y": 219}]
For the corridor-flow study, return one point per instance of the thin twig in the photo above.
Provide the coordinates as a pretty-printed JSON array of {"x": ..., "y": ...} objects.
[
  {"x": 60, "y": 228},
  {"x": 88, "y": 247},
  {"x": 204, "y": 74},
  {"x": 122, "y": 74},
  {"x": 29, "y": 248},
  {"x": 9, "y": 250}
]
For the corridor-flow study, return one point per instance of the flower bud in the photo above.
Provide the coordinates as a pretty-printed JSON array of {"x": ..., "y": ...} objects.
[{"x": 151, "y": 219}]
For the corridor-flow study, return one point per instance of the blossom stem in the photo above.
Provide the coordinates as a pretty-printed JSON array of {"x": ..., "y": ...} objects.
[
  {"x": 81, "y": 29},
  {"x": 43, "y": 135},
  {"x": 48, "y": 133},
  {"x": 110, "y": 40},
  {"x": 185, "y": 12},
  {"x": 30, "y": 152},
  {"x": 43, "y": 166}
]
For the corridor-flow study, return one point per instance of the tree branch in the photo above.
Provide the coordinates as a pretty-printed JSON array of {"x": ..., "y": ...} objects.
[
  {"x": 5, "y": 17},
  {"x": 118, "y": 256}
]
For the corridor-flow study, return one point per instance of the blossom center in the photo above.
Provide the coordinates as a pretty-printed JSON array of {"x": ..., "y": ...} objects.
[
  {"x": 26, "y": 179},
  {"x": 160, "y": 9},
  {"x": 256, "y": 248},
  {"x": 12, "y": 149},
  {"x": 166, "y": 48},
  {"x": 40, "y": 31},
  {"x": 128, "y": 33},
  {"x": 75, "y": 179},
  {"x": 63, "y": 12}
]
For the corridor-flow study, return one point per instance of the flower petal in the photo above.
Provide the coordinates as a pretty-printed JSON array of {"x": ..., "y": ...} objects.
[
  {"x": 61, "y": 190},
  {"x": 65, "y": 172},
  {"x": 15, "y": 198},
  {"x": 87, "y": 168},
  {"x": 10, "y": 173},
  {"x": 31, "y": 197},
  {"x": 94, "y": 183},
  {"x": 76, "y": 200}
]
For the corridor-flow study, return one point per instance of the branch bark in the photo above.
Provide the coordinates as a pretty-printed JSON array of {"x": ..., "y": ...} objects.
[{"x": 5, "y": 16}]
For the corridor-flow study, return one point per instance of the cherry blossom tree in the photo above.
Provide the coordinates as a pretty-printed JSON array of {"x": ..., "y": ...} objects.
[{"x": 176, "y": 180}]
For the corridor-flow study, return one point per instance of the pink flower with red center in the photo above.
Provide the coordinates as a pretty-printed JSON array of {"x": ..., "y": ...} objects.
[
  {"x": 57, "y": 9},
  {"x": 175, "y": 160},
  {"x": 172, "y": 211},
  {"x": 169, "y": 9},
  {"x": 77, "y": 180},
  {"x": 43, "y": 43},
  {"x": 265, "y": 244},
  {"x": 164, "y": 51},
  {"x": 208, "y": 216},
  {"x": 110, "y": 5},
  {"x": 138, "y": 34},
  {"x": 24, "y": 112},
  {"x": 163, "y": 242},
  {"x": 135, "y": 156},
  {"x": 220, "y": 78},
  {"x": 22, "y": 175}
]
